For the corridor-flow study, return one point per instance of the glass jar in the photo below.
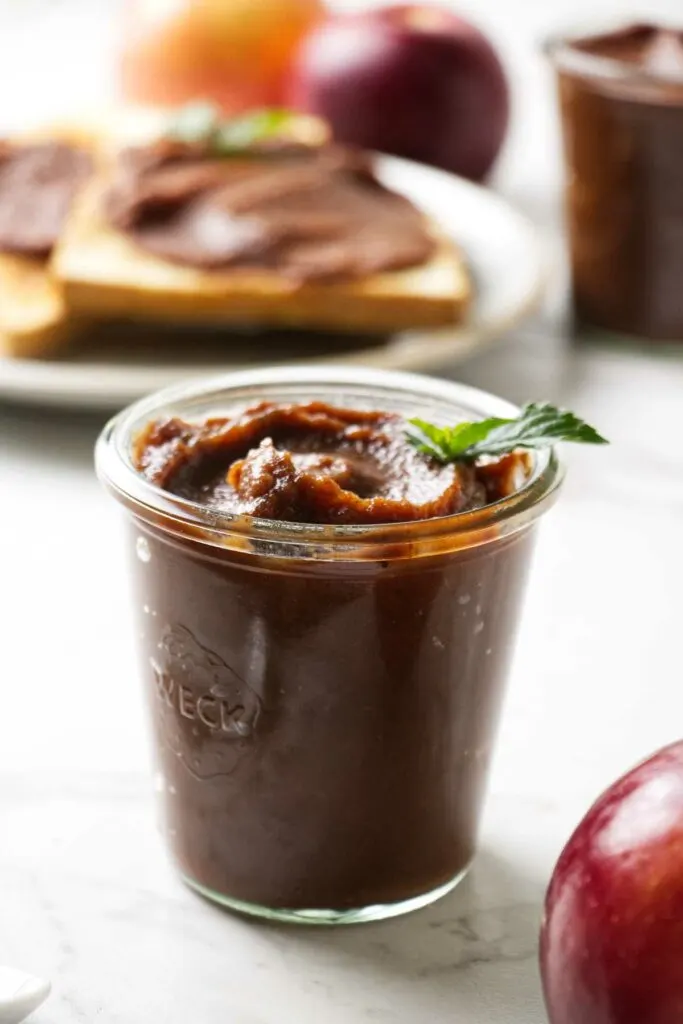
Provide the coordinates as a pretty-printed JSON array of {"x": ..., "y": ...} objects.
[
  {"x": 621, "y": 100},
  {"x": 324, "y": 699}
]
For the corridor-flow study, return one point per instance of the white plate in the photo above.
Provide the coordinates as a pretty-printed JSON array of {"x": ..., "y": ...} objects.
[{"x": 502, "y": 249}]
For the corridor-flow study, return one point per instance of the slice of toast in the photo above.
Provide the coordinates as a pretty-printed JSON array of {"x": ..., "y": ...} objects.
[
  {"x": 33, "y": 318},
  {"x": 103, "y": 271}
]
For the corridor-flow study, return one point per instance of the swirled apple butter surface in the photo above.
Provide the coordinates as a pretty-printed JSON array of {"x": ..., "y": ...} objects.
[
  {"x": 317, "y": 464},
  {"x": 325, "y": 724},
  {"x": 38, "y": 183},
  {"x": 308, "y": 213}
]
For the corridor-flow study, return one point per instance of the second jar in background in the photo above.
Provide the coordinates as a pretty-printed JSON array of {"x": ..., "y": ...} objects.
[{"x": 621, "y": 95}]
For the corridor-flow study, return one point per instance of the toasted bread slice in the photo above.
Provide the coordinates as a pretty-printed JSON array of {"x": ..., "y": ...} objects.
[
  {"x": 33, "y": 319},
  {"x": 103, "y": 271}
]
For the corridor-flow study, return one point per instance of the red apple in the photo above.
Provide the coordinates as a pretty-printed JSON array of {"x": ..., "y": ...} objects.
[
  {"x": 612, "y": 937},
  {"x": 413, "y": 80}
]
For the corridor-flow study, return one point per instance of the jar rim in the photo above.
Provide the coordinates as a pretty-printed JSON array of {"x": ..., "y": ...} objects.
[
  {"x": 174, "y": 514},
  {"x": 562, "y": 51}
]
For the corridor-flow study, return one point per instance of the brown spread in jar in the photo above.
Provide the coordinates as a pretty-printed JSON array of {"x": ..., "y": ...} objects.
[
  {"x": 653, "y": 50},
  {"x": 316, "y": 463},
  {"x": 309, "y": 213},
  {"x": 622, "y": 106},
  {"x": 324, "y": 725},
  {"x": 38, "y": 183}
]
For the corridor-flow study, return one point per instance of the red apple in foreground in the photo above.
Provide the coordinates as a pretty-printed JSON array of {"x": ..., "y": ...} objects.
[
  {"x": 612, "y": 937},
  {"x": 413, "y": 80}
]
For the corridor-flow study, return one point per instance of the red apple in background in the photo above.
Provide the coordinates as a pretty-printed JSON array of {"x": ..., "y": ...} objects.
[
  {"x": 612, "y": 937},
  {"x": 413, "y": 80}
]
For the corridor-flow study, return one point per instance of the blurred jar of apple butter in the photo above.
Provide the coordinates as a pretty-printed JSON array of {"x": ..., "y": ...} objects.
[{"x": 621, "y": 98}]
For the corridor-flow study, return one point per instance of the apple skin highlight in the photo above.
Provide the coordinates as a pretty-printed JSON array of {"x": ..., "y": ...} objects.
[
  {"x": 612, "y": 936},
  {"x": 412, "y": 80}
]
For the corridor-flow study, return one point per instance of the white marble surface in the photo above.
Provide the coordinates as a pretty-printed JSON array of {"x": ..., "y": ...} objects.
[{"x": 86, "y": 896}]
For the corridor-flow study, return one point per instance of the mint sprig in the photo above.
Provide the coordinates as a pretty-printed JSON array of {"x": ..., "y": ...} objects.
[
  {"x": 202, "y": 123},
  {"x": 243, "y": 132},
  {"x": 539, "y": 425},
  {"x": 195, "y": 122}
]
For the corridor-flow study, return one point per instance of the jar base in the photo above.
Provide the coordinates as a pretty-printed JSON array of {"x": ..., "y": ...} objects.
[{"x": 357, "y": 915}]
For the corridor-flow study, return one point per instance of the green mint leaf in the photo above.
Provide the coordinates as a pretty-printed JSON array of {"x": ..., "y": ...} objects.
[
  {"x": 243, "y": 132},
  {"x": 196, "y": 122},
  {"x": 203, "y": 123},
  {"x": 447, "y": 443},
  {"x": 539, "y": 425}
]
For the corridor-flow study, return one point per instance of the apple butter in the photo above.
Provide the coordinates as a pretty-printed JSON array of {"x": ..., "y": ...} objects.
[
  {"x": 310, "y": 213},
  {"x": 316, "y": 464},
  {"x": 327, "y": 619},
  {"x": 621, "y": 98},
  {"x": 38, "y": 183}
]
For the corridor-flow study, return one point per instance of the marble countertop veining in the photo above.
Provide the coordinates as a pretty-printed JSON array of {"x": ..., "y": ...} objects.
[{"x": 87, "y": 897}]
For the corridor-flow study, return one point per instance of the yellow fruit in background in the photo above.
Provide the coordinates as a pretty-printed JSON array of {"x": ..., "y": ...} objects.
[{"x": 235, "y": 52}]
